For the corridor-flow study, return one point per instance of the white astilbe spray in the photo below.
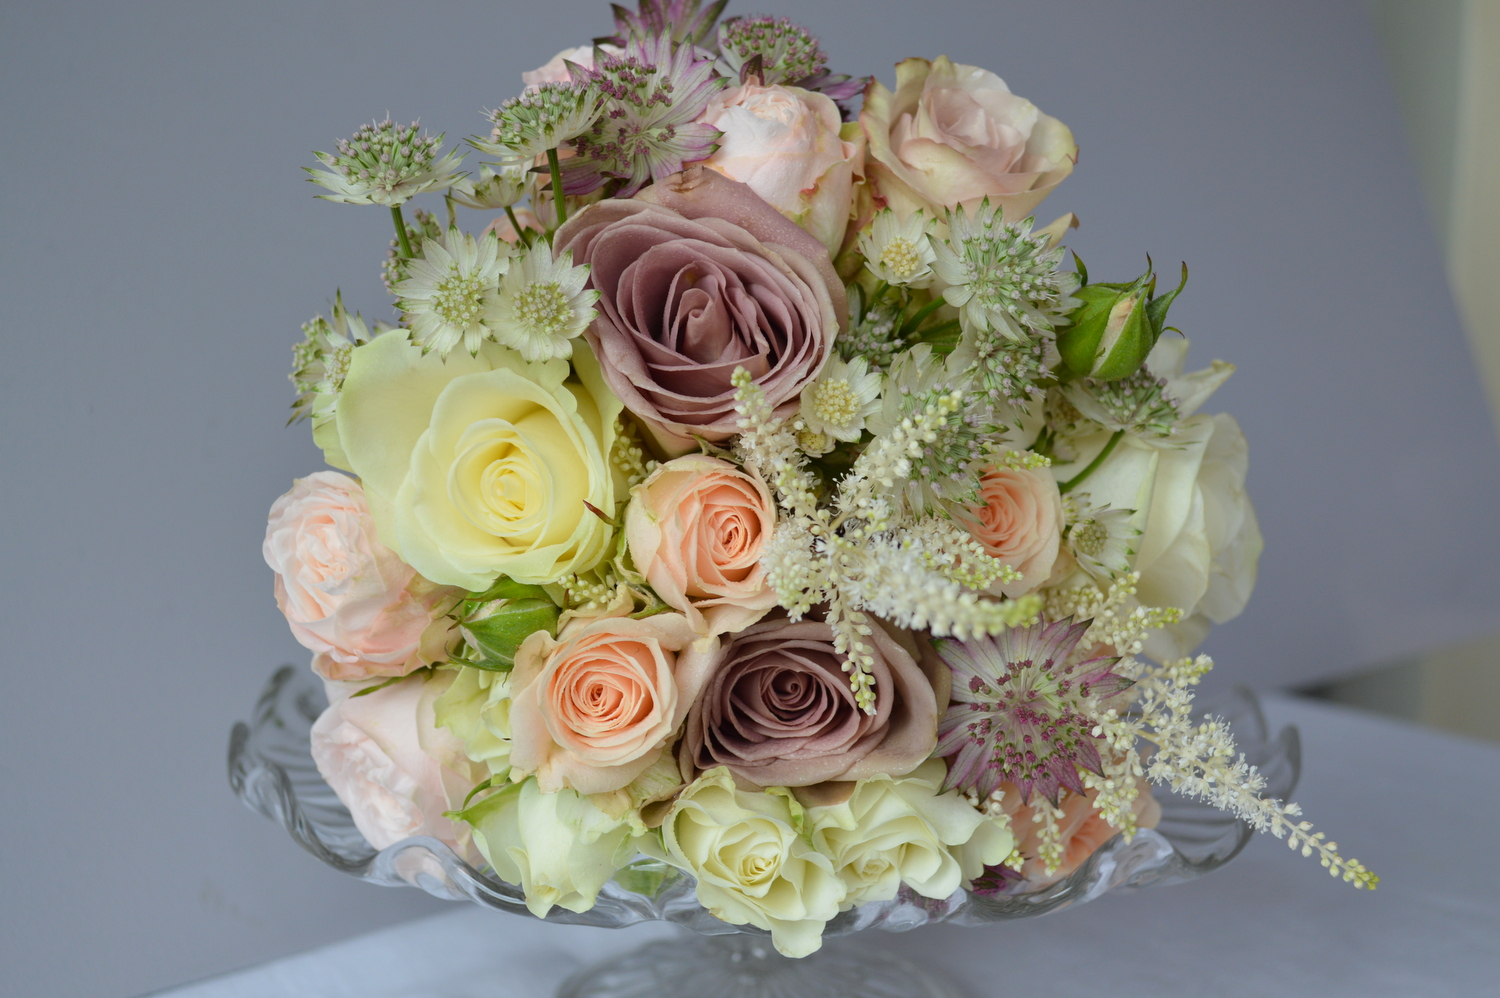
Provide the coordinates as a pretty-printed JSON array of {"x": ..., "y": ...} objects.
[{"x": 866, "y": 553}]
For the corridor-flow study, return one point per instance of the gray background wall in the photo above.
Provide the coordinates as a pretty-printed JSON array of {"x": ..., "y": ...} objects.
[{"x": 160, "y": 247}]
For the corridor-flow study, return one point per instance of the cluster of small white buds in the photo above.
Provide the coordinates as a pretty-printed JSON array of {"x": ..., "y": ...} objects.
[{"x": 385, "y": 163}]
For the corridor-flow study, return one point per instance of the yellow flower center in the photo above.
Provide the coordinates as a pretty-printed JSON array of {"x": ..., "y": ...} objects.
[
  {"x": 544, "y": 307},
  {"x": 459, "y": 298},
  {"x": 900, "y": 258},
  {"x": 835, "y": 402}
]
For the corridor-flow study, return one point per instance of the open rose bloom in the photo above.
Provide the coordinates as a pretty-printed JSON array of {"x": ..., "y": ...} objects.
[{"x": 742, "y": 488}]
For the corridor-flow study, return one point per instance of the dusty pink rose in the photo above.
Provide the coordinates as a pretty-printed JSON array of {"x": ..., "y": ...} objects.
[
  {"x": 696, "y": 529},
  {"x": 1020, "y": 523},
  {"x": 953, "y": 134},
  {"x": 349, "y": 598},
  {"x": 391, "y": 766},
  {"x": 776, "y": 709},
  {"x": 699, "y": 276},
  {"x": 1082, "y": 830},
  {"x": 594, "y": 707},
  {"x": 784, "y": 143}
]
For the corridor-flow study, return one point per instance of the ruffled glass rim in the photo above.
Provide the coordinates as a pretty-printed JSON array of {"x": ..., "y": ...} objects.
[{"x": 271, "y": 769}]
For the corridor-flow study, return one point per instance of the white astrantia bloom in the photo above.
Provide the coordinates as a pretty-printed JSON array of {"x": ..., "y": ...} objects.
[
  {"x": 385, "y": 163},
  {"x": 1101, "y": 539},
  {"x": 448, "y": 290},
  {"x": 844, "y": 396},
  {"x": 541, "y": 119},
  {"x": 899, "y": 253},
  {"x": 492, "y": 190},
  {"x": 542, "y": 305}
]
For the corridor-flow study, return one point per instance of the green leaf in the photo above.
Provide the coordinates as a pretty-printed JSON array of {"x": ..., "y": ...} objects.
[
  {"x": 1157, "y": 310},
  {"x": 504, "y": 588},
  {"x": 378, "y": 686},
  {"x": 498, "y": 634}
]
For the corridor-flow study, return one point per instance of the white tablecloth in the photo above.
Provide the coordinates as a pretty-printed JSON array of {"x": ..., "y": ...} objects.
[{"x": 1420, "y": 808}]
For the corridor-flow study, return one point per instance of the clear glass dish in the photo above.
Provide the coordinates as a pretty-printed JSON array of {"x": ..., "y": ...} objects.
[{"x": 272, "y": 771}]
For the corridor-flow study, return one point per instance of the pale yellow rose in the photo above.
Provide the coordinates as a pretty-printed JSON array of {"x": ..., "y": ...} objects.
[
  {"x": 952, "y": 134},
  {"x": 696, "y": 529},
  {"x": 485, "y": 465},
  {"x": 785, "y": 144},
  {"x": 752, "y": 866}
]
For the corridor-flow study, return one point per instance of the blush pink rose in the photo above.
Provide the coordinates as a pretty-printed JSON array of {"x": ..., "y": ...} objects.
[
  {"x": 1019, "y": 522},
  {"x": 785, "y": 144},
  {"x": 349, "y": 598},
  {"x": 392, "y": 766},
  {"x": 593, "y": 708},
  {"x": 699, "y": 276},
  {"x": 556, "y": 68},
  {"x": 1082, "y": 829},
  {"x": 696, "y": 529}
]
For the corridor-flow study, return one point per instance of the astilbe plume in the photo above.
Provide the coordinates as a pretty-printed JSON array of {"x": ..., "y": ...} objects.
[
  {"x": 654, "y": 94},
  {"x": 1022, "y": 713},
  {"x": 684, "y": 22}
]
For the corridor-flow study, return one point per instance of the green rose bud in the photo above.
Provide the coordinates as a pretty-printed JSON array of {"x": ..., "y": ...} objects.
[
  {"x": 498, "y": 620},
  {"x": 1116, "y": 326}
]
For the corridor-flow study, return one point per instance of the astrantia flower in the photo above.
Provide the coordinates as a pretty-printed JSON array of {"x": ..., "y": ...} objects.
[
  {"x": 1021, "y": 712},
  {"x": 321, "y": 360},
  {"x": 1139, "y": 403},
  {"x": 899, "y": 252},
  {"x": 1001, "y": 277},
  {"x": 683, "y": 22},
  {"x": 1100, "y": 538},
  {"x": 654, "y": 96},
  {"x": 541, "y": 119},
  {"x": 448, "y": 290},
  {"x": 875, "y": 336},
  {"x": 491, "y": 190},
  {"x": 385, "y": 163},
  {"x": 542, "y": 306},
  {"x": 1006, "y": 369},
  {"x": 843, "y": 397},
  {"x": 788, "y": 52}
]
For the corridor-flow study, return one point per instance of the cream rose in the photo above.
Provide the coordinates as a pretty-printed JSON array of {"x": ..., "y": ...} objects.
[
  {"x": 696, "y": 529},
  {"x": 391, "y": 765},
  {"x": 785, "y": 144},
  {"x": 594, "y": 707},
  {"x": 952, "y": 134},
  {"x": 751, "y": 865},
  {"x": 483, "y": 465},
  {"x": 904, "y": 830},
  {"x": 558, "y": 848},
  {"x": 348, "y": 597},
  {"x": 1020, "y": 523},
  {"x": 476, "y": 708}
]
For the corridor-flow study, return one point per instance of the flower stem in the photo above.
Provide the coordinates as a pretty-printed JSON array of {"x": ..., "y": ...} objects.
[
  {"x": 515, "y": 224},
  {"x": 559, "y": 202},
  {"x": 401, "y": 239},
  {"x": 921, "y": 313},
  {"x": 1093, "y": 466}
]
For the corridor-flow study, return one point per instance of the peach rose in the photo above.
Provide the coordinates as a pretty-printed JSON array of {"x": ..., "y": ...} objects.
[
  {"x": 1082, "y": 829},
  {"x": 696, "y": 529},
  {"x": 785, "y": 144},
  {"x": 593, "y": 708},
  {"x": 1020, "y": 523},
  {"x": 392, "y": 766},
  {"x": 953, "y": 134},
  {"x": 349, "y": 598}
]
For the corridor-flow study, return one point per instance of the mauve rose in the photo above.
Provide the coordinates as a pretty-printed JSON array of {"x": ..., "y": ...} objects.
[
  {"x": 776, "y": 709},
  {"x": 699, "y": 276}
]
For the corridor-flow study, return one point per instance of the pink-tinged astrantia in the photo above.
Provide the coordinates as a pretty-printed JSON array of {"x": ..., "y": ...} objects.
[
  {"x": 684, "y": 22},
  {"x": 1020, "y": 712},
  {"x": 653, "y": 97}
]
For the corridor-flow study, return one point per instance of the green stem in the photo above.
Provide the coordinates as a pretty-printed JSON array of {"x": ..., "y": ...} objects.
[
  {"x": 452, "y": 212},
  {"x": 559, "y": 202},
  {"x": 1093, "y": 466},
  {"x": 515, "y": 224},
  {"x": 921, "y": 313},
  {"x": 401, "y": 239},
  {"x": 880, "y": 292}
]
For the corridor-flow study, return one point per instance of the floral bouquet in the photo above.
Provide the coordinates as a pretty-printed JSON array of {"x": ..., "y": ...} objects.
[{"x": 751, "y": 492}]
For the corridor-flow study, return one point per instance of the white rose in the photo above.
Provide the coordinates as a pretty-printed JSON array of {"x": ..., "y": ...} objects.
[
  {"x": 751, "y": 864},
  {"x": 558, "y": 848},
  {"x": 892, "y": 831},
  {"x": 391, "y": 766}
]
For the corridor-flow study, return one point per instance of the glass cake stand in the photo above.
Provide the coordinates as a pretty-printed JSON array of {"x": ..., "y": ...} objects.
[{"x": 272, "y": 771}]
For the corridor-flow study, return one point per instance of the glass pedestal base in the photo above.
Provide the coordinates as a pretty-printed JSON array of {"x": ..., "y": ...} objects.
[{"x": 746, "y": 966}]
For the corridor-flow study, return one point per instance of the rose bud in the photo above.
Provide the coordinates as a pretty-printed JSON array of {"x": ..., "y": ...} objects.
[{"x": 1116, "y": 326}]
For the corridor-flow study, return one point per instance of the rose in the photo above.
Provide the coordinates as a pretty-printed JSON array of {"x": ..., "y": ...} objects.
[
  {"x": 476, "y": 708},
  {"x": 556, "y": 69},
  {"x": 953, "y": 134},
  {"x": 776, "y": 709},
  {"x": 558, "y": 848},
  {"x": 698, "y": 276},
  {"x": 348, "y": 597},
  {"x": 483, "y": 465},
  {"x": 696, "y": 529},
  {"x": 751, "y": 865},
  {"x": 391, "y": 766},
  {"x": 904, "y": 830},
  {"x": 594, "y": 707},
  {"x": 784, "y": 143},
  {"x": 1081, "y": 829},
  {"x": 1020, "y": 523}
]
